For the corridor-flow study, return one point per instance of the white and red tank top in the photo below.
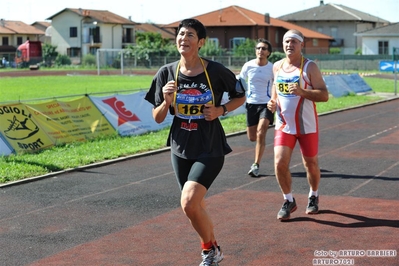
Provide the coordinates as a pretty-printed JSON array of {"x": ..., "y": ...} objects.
[{"x": 294, "y": 114}]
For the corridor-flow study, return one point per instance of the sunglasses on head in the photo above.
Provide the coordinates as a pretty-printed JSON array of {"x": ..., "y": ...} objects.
[{"x": 263, "y": 48}]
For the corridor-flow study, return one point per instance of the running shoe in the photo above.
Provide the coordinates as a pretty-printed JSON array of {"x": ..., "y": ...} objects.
[
  {"x": 286, "y": 210},
  {"x": 219, "y": 255},
  {"x": 313, "y": 205},
  {"x": 208, "y": 258},
  {"x": 254, "y": 171}
]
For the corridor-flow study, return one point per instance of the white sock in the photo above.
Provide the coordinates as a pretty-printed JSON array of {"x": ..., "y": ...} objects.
[
  {"x": 288, "y": 197},
  {"x": 313, "y": 193}
]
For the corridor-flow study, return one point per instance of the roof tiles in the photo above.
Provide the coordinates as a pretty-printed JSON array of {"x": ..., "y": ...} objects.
[
  {"x": 102, "y": 16},
  {"x": 235, "y": 16},
  {"x": 17, "y": 27}
]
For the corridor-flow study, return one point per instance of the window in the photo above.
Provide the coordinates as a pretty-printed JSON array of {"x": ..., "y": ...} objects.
[
  {"x": 73, "y": 52},
  {"x": 214, "y": 41},
  {"x": 95, "y": 34},
  {"x": 334, "y": 32},
  {"x": 127, "y": 35},
  {"x": 73, "y": 32},
  {"x": 277, "y": 37},
  {"x": 236, "y": 42},
  {"x": 320, "y": 29},
  {"x": 19, "y": 40},
  {"x": 383, "y": 47},
  {"x": 337, "y": 42},
  {"x": 315, "y": 42},
  {"x": 5, "y": 40}
]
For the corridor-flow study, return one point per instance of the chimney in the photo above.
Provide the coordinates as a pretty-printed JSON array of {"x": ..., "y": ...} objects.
[
  {"x": 267, "y": 18},
  {"x": 321, "y": 2}
]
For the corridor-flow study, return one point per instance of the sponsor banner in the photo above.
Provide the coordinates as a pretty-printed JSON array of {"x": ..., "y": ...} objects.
[
  {"x": 54, "y": 121},
  {"x": 130, "y": 114},
  {"x": 69, "y": 121},
  {"x": 389, "y": 66},
  {"x": 21, "y": 132},
  {"x": 32, "y": 127}
]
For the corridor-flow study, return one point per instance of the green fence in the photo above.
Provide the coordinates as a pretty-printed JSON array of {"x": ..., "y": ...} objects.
[{"x": 339, "y": 63}]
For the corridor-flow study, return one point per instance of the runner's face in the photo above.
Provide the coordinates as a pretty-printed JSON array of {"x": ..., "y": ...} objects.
[
  {"x": 187, "y": 41},
  {"x": 262, "y": 50},
  {"x": 292, "y": 46}
]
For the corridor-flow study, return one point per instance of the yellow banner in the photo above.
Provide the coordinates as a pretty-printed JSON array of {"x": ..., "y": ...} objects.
[
  {"x": 20, "y": 130},
  {"x": 32, "y": 127},
  {"x": 68, "y": 121}
]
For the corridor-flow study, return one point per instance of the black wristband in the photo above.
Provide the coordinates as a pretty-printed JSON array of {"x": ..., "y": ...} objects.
[{"x": 225, "y": 111}]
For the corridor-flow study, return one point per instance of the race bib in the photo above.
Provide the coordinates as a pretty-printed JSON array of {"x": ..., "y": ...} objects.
[
  {"x": 282, "y": 87},
  {"x": 191, "y": 106},
  {"x": 191, "y": 110}
]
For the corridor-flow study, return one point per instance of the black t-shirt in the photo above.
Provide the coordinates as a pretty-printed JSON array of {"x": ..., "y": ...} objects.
[{"x": 196, "y": 138}]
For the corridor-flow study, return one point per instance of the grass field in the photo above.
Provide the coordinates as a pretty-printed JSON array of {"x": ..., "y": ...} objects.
[
  {"x": 16, "y": 167},
  {"x": 29, "y": 88}
]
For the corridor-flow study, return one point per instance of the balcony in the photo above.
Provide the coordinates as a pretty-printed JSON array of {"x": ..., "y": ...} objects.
[
  {"x": 338, "y": 42},
  {"x": 126, "y": 39},
  {"x": 92, "y": 39}
]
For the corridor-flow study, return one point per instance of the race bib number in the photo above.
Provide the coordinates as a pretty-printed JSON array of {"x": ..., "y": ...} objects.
[
  {"x": 282, "y": 87},
  {"x": 191, "y": 109},
  {"x": 191, "y": 105}
]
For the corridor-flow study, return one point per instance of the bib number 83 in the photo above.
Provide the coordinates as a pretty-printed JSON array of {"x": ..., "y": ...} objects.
[{"x": 283, "y": 88}]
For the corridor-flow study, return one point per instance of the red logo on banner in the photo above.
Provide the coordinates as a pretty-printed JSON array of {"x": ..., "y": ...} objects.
[{"x": 124, "y": 115}]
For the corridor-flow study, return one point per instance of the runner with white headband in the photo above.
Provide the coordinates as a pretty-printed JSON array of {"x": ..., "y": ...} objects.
[
  {"x": 298, "y": 84},
  {"x": 292, "y": 35}
]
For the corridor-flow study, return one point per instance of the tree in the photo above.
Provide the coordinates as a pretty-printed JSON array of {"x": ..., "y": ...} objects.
[
  {"x": 276, "y": 56},
  {"x": 211, "y": 49},
  {"x": 245, "y": 49},
  {"x": 149, "y": 44},
  {"x": 49, "y": 54}
]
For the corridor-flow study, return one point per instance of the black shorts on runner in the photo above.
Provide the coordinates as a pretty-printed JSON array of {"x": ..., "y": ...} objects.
[
  {"x": 255, "y": 112},
  {"x": 202, "y": 170}
]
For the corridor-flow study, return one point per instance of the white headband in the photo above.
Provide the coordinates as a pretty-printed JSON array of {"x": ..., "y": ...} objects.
[{"x": 292, "y": 35}]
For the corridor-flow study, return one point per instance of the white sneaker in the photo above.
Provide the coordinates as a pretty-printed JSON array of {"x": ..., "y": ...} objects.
[
  {"x": 208, "y": 258},
  {"x": 254, "y": 171},
  {"x": 219, "y": 255}
]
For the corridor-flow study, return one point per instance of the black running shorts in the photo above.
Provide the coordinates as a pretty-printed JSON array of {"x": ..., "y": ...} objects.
[{"x": 202, "y": 170}]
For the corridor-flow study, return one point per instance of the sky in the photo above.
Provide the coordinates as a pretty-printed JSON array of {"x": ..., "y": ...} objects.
[{"x": 165, "y": 12}]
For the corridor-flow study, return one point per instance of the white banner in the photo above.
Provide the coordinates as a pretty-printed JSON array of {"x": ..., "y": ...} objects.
[
  {"x": 129, "y": 114},
  {"x": 4, "y": 148}
]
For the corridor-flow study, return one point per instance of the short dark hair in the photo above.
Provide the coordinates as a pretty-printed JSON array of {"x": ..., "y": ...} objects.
[
  {"x": 270, "y": 48},
  {"x": 195, "y": 24}
]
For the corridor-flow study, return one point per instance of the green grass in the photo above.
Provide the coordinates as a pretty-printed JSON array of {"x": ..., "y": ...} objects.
[
  {"x": 28, "y": 88},
  {"x": 17, "y": 167},
  {"x": 381, "y": 85}
]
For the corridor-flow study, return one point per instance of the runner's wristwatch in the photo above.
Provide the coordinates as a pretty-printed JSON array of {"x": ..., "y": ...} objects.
[{"x": 225, "y": 111}]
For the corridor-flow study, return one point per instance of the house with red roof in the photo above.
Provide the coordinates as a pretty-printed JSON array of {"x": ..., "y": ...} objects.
[
  {"x": 13, "y": 34},
  {"x": 77, "y": 32},
  {"x": 229, "y": 26}
]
